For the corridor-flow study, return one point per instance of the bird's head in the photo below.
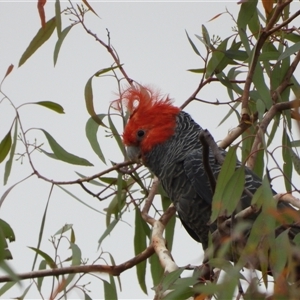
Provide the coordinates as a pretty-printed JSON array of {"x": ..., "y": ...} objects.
[{"x": 152, "y": 120}]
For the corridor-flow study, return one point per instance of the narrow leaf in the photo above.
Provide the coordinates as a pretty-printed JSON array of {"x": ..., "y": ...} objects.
[
  {"x": 296, "y": 161},
  {"x": 89, "y": 7},
  {"x": 76, "y": 255},
  {"x": 289, "y": 51},
  {"x": 107, "y": 231},
  {"x": 51, "y": 105},
  {"x": 226, "y": 172},
  {"x": 192, "y": 44},
  {"x": 58, "y": 17},
  {"x": 109, "y": 291},
  {"x": 91, "y": 129},
  {"x": 42, "y": 266},
  {"x": 50, "y": 262},
  {"x": 62, "y": 154},
  {"x": 40, "y": 38},
  {"x": 5, "y": 146},
  {"x": 139, "y": 246},
  {"x": 9, "y": 163},
  {"x": 76, "y": 198},
  {"x": 6, "y": 287},
  {"x": 59, "y": 43},
  {"x": 88, "y": 95},
  {"x": 116, "y": 135}
]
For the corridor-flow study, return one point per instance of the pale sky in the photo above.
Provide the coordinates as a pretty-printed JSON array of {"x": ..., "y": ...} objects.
[{"x": 151, "y": 42}]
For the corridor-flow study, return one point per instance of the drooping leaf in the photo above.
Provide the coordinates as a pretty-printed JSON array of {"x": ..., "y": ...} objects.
[
  {"x": 206, "y": 37},
  {"x": 59, "y": 42},
  {"x": 287, "y": 160},
  {"x": 295, "y": 160},
  {"x": 91, "y": 129},
  {"x": 25, "y": 292},
  {"x": 40, "y": 38},
  {"x": 233, "y": 191},
  {"x": 9, "y": 163},
  {"x": 226, "y": 172},
  {"x": 58, "y": 17},
  {"x": 50, "y": 262},
  {"x": 10, "y": 188},
  {"x": 6, "y": 287},
  {"x": 42, "y": 266},
  {"x": 192, "y": 44},
  {"x": 51, "y": 105},
  {"x": 107, "y": 231},
  {"x": 76, "y": 255},
  {"x": 5, "y": 146},
  {"x": 62, "y": 154},
  {"x": 82, "y": 202},
  {"x": 116, "y": 135},
  {"x": 110, "y": 291},
  {"x": 170, "y": 227},
  {"x": 139, "y": 246}
]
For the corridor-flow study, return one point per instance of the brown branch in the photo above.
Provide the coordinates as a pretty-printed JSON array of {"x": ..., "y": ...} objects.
[
  {"x": 278, "y": 107},
  {"x": 112, "y": 270},
  {"x": 261, "y": 40}
]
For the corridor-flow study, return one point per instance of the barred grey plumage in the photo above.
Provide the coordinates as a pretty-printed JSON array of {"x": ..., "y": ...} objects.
[{"x": 178, "y": 163}]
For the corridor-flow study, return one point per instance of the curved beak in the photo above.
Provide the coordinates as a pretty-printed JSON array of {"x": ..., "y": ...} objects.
[{"x": 133, "y": 153}]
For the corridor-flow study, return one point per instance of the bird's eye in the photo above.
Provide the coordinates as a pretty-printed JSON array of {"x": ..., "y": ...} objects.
[{"x": 140, "y": 133}]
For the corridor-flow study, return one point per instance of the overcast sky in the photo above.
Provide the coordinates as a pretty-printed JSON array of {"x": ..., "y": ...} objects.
[{"x": 151, "y": 42}]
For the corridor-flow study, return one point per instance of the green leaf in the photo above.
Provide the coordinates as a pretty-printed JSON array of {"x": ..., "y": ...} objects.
[
  {"x": 64, "y": 229},
  {"x": 93, "y": 181},
  {"x": 107, "y": 231},
  {"x": 170, "y": 227},
  {"x": 287, "y": 160},
  {"x": 76, "y": 255},
  {"x": 40, "y": 38},
  {"x": 51, "y": 105},
  {"x": 156, "y": 269},
  {"x": 9, "y": 163},
  {"x": 42, "y": 266},
  {"x": 59, "y": 42},
  {"x": 139, "y": 246},
  {"x": 50, "y": 262},
  {"x": 7, "y": 231},
  {"x": 201, "y": 71},
  {"x": 6, "y": 287},
  {"x": 86, "y": 296},
  {"x": 91, "y": 129},
  {"x": 5, "y": 146},
  {"x": 233, "y": 191},
  {"x": 192, "y": 44},
  {"x": 109, "y": 291},
  {"x": 58, "y": 17},
  {"x": 262, "y": 88},
  {"x": 206, "y": 37},
  {"x": 62, "y": 154},
  {"x": 226, "y": 172},
  {"x": 289, "y": 51},
  {"x": 82, "y": 202},
  {"x": 25, "y": 292},
  {"x": 10, "y": 188},
  {"x": 247, "y": 10},
  {"x": 170, "y": 278},
  {"x": 236, "y": 54},
  {"x": 116, "y": 135},
  {"x": 295, "y": 160},
  {"x": 280, "y": 253}
]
